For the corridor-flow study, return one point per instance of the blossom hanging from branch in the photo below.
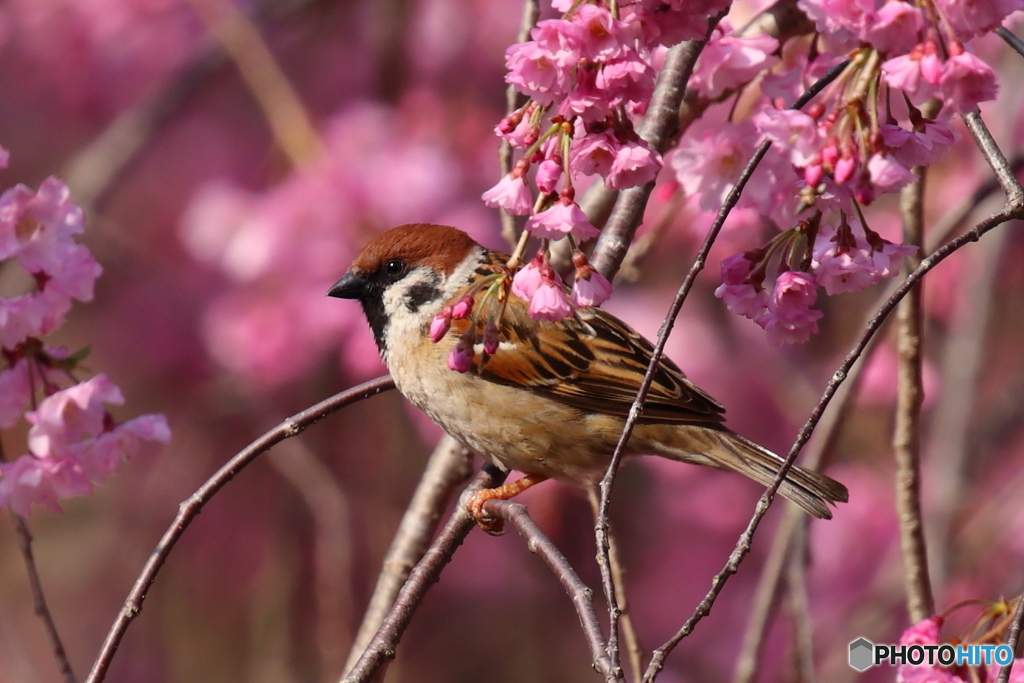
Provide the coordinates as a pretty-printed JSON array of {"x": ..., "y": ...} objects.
[{"x": 73, "y": 441}]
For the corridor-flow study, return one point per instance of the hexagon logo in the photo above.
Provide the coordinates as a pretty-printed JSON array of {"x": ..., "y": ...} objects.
[{"x": 861, "y": 654}]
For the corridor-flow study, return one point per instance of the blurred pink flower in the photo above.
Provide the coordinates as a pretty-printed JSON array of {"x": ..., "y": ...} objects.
[
  {"x": 707, "y": 164},
  {"x": 511, "y": 194},
  {"x": 549, "y": 302},
  {"x": 793, "y": 133},
  {"x": 729, "y": 61},
  {"x": 967, "y": 81},
  {"x": 528, "y": 280},
  {"x": 15, "y": 393},
  {"x": 635, "y": 164},
  {"x": 895, "y": 27}
]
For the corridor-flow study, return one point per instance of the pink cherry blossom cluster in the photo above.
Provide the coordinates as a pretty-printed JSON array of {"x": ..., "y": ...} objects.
[
  {"x": 927, "y": 632},
  {"x": 73, "y": 442},
  {"x": 588, "y": 75},
  {"x": 845, "y": 258},
  {"x": 859, "y": 139}
]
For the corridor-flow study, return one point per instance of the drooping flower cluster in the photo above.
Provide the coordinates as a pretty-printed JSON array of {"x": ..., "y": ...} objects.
[
  {"x": 73, "y": 442},
  {"x": 589, "y": 76}
]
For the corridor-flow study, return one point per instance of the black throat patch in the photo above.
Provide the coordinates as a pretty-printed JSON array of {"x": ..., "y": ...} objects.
[{"x": 373, "y": 307}]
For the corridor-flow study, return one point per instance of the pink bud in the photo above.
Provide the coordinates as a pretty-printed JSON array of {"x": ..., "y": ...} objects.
[
  {"x": 460, "y": 360},
  {"x": 813, "y": 175},
  {"x": 548, "y": 174},
  {"x": 844, "y": 169},
  {"x": 490, "y": 339},
  {"x": 463, "y": 308},
  {"x": 440, "y": 324}
]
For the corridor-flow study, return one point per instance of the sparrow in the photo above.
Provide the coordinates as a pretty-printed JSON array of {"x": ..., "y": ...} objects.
[{"x": 548, "y": 399}]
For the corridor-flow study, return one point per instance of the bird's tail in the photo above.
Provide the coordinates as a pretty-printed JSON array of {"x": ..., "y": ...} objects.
[{"x": 811, "y": 491}]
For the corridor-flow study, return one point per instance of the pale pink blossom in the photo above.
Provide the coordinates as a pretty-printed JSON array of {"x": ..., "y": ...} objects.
[
  {"x": 977, "y": 17},
  {"x": 887, "y": 173},
  {"x": 895, "y": 27},
  {"x": 789, "y": 318},
  {"x": 739, "y": 294},
  {"x": 542, "y": 68},
  {"x": 635, "y": 164},
  {"x": 529, "y": 278},
  {"x": 600, "y": 36},
  {"x": 728, "y": 62},
  {"x": 563, "y": 218},
  {"x": 591, "y": 288},
  {"x": 792, "y": 132},
  {"x": 593, "y": 153},
  {"x": 842, "y": 265},
  {"x": 967, "y": 81},
  {"x": 907, "y": 73},
  {"x": 628, "y": 79},
  {"x": 15, "y": 393},
  {"x": 707, "y": 164},
  {"x": 889, "y": 258},
  {"x": 549, "y": 302},
  {"x": 918, "y": 148},
  {"x": 30, "y": 480},
  {"x": 511, "y": 194}
]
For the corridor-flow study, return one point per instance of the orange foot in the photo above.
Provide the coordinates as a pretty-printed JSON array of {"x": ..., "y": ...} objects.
[{"x": 475, "y": 504}]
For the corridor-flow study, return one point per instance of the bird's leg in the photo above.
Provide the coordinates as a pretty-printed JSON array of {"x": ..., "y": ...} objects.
[{"x": 475, "y": 504}]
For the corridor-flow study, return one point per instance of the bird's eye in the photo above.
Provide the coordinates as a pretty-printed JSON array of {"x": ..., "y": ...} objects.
[{"x": 394, "y": 267}]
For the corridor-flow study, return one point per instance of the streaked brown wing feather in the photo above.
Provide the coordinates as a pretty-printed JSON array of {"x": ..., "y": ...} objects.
[{"x": 593, "y": 362}]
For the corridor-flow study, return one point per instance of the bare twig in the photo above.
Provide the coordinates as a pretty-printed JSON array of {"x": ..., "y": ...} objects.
[
  {"x": 426, "y": 572},
  {"x": 39, "y": 600},
  {"x": 634, "y": 650},
  {"x": 1011, "y": 39},
  {"x": 1013, "y": 639},
  {"x": 601, "y": 528},
  {"x": 799, "y": 607},
  {"x": 332, "y": 545},
  {"x": 290, "y": 123},
  {"x": 906, "y": 440},
  {"x": 743, "y": 544},
  {"x": 193, "y": 505},
  {"x": 447, "y": 467},
  {"x": 954, "y": 423},
  {"x": 582, "y": 596},
  {"x": 531, "y": 10},
  {"x": 994, "y": 156}
]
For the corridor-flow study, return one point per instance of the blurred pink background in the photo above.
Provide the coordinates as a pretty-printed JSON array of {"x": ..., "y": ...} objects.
[{"x": 217, "y": 252}]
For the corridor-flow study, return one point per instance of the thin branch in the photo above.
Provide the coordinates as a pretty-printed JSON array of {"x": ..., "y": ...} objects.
[
  {"x": 601, "y": 528},
  {"x": 994, "y": 156},
  {"x": 447, "y": 467},
  {"x": 799, "y": 607},
  {"x": 531, "y": 10},
  {"x": 745, "y": 539},
  {"x": 426, "y": 572},
  {"x": 289, "y": 121},
  {"x": 582, "y": 596},
  {"x": 1011, "y": 39},
  {"x": 634, "y": 650},
  {"x": 906, "y": 440},
  {"x": 193, "y": 505},
  {"x": 1013, "y": 639},
  {"x": 39, "y": 601}
]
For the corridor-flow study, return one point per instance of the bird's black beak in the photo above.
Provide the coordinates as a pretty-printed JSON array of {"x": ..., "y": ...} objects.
[{"x": 351, "y": 286}]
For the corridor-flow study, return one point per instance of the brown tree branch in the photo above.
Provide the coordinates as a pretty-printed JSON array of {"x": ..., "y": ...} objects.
[
  {"x": 582, "y": 596},
  {"x": 426, "y": 572},
  {"x": 39, "y": 600},
  {"x": 448, "y": 466},
  {"x": 995, "y": 159},
  {"x": 906, "y": 440},
  {"x": 193, "y": 505},
  {"x": 743, "y": 544}
]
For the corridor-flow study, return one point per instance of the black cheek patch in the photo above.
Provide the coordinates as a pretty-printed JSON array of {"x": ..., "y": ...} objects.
[
  {"x": 373, "y": 307},
  {"x": 419, "y": 294}
]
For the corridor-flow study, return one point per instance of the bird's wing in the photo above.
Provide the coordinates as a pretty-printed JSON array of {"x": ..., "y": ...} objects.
[{"x": 594, "y": 362}]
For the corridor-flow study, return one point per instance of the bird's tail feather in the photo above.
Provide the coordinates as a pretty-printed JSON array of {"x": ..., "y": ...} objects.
[{"x": 811, "y": 491}]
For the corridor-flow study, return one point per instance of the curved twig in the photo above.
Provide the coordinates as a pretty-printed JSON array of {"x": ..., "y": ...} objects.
[
  {"x": 582, "y": 596},
  {"x": 743, "y": 544},
  {"x": 1012, "y": 639},
  {"x": 191, "y": 507},
  {"x": 601, "y": 528},
  {"x": 426, "y": 572}
]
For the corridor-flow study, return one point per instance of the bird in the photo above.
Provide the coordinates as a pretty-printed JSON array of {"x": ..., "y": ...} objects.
[{"x": 546, "y": 398}]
